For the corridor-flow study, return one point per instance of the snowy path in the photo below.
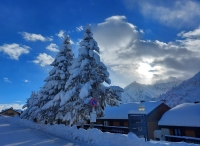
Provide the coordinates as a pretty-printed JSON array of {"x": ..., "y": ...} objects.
[
  {"x": 13, "y": 135},
  {"x": 18, "y": 132}
]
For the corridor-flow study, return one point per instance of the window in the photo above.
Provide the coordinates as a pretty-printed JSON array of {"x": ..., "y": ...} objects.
[
  {"x": 105, "y": 123},
  {"x": 137, "y": 129},
  {"x": 136, "y": 121},
  {"x": 177, "y": 132},
  {"x": 140, "y": 129},
  {"x": 141, "y": 108},
  {"x": 197, "y": 133}
]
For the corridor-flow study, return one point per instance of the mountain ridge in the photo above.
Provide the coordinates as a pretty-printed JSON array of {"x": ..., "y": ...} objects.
[
  {"x": 188, "y": 91},
  {"x": 136, "y": 91}
]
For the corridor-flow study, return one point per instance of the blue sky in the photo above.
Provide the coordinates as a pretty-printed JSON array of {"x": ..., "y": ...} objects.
[{"x": 143, "y": 41}]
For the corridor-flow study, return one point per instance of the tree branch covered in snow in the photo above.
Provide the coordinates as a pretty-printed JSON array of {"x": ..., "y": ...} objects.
[{"x": 73, "y": 82}]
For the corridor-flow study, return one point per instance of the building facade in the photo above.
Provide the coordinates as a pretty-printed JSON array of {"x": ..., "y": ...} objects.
[
  {"x": 181, "y": 123},
  {"x": 139, "y": 118}
]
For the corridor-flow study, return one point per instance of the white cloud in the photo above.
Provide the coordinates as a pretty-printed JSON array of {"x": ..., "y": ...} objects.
[
  {"x": 14, "y": 105},
  {"x": 7, "y": 80},
  {"x": 52, "y": 47},
  {"x": 26, "y": 81},
  {"x": 80, "y": 28},
  {"x": 61, "y": 34},
  {"x": 191, "y": 34},
  {"x": 43, "y": 59},
  {"x": 177, "y": 13},
  {"x": 141, "y": 31},
  {"x": 129, "y": 58},
  {"x": 14, "y": 50},
  {"x": 35, "y": 37}
]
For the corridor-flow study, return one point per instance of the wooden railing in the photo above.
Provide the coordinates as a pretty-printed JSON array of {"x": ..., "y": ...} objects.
[
  {"x": 187, "y": 139},
  {"x": 112, "y": 129}
]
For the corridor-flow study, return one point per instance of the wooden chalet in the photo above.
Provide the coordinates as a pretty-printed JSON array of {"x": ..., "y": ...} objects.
[
  {"x": 181, "y": 123},
  {"x": 10, "y": 112},
  {"x": 135, "y": 117}
]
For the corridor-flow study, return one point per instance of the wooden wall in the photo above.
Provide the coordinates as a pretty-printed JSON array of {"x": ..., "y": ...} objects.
[
  {"x": 154, "y": 117},
  {"x": 10, "y": 112},
  {"x": 184, "y": 131},
  {"x": 190, "y": 132},
  {"x": 152, "y": 126},
  {"x": 113, "y": 122}
]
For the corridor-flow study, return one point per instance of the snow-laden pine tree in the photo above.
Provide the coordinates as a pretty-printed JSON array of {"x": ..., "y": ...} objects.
[
  {"x": 52, "y": 91},
  {"x": 31, "y": 106},
  {"x": 88, "y": 74}
]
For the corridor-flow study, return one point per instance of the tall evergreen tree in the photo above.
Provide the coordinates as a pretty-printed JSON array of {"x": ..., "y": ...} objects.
[
  {"x": 31, "y": 106},
  {"x": 52, "y": 91},
  {"x": 87, "y": 75}
]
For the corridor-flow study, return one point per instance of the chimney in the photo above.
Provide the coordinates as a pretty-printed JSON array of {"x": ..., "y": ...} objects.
[{"x": 142, "y": 101}]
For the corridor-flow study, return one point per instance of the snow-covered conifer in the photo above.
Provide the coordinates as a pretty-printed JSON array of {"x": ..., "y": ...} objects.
[
  {"x": 49, "y": 96},
  {"x": 53, "y": 90},
  {"x": 88, "y": 74},
  {"x": 31, "y": 106}
]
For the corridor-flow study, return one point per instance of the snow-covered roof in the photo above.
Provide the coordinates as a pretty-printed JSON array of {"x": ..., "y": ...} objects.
[
  {"x": 16, "y": 110},
  {"x": 186, "y": 114},
  {"x": 123, "y": 110}
]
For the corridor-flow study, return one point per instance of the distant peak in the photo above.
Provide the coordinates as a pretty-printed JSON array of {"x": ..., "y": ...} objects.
[{"x": 197, "y": 75}]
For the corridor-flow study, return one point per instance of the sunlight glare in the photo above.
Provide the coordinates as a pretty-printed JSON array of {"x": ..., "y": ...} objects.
[{"x": 144, "y": 70}]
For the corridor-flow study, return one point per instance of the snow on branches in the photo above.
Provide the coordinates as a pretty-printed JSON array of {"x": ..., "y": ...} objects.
[{"x": 72, "y": 83}]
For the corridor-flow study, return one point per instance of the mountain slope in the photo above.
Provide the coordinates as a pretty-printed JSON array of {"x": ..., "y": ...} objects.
[
  {"x": 187, "y": 92},
  {"x": 137, "y": 92}
]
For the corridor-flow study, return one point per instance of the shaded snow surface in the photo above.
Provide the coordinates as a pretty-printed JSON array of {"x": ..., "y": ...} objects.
[
  {"x": 186, "y": 114},
  {"x": 15, "y": 131},
  {"x": 122, "y": 111}
]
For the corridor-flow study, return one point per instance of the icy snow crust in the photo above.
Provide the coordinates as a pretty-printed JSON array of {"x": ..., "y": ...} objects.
[
  {"x": 91, "y": 136},
  {"x": 187, "y": 114},
  {"x": 122, "y": 111}
]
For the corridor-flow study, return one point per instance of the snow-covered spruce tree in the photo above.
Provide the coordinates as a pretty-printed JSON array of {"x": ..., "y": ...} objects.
[
  {"x": 88, "y": 74},
  {"x": 31, "y": 106},
  {"x": 52, "y": 91}
]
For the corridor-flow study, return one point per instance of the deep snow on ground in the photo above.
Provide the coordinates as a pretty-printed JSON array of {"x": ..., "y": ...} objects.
[
  {"x": 12, "y": 134},
  {"x": 15, "y": 131}
]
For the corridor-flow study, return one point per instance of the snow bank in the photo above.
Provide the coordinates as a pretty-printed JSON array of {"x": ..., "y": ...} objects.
[{"x": 92, "y": 136}]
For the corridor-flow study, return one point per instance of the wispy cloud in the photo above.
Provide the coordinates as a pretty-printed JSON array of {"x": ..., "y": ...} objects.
[
  {"x": 52, "y": 47},
  {"x": 61, "y": 34},
  {"x": 43, "y": 59},
  {"x": 35, "y": 37},
  {"x": 14, "y": 50},
  {"x": 26, "y": 81},
  {"x": 7, "y": 80},
  {"x": 176, "y": 13},
  {"x": 80, "y": 28},
  {"x": 18, "y": 101}
]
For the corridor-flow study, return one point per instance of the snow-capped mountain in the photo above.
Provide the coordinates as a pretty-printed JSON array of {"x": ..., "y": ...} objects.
[
  {"x": 137, "y": 92},
  {"x": 187, "y": 92}
]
